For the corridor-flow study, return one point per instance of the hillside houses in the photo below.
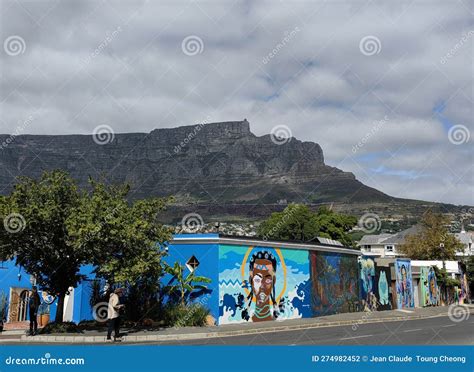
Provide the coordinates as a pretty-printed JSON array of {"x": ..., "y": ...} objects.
[{"x": 386, "y": 245}]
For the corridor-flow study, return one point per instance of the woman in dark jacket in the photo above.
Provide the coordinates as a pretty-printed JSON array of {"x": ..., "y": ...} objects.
[{"x": 34, "y": 304}]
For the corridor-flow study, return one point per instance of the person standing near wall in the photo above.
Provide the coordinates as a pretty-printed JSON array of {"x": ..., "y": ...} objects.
[
  {"x": 34, "y": 303},
  {"x": 114, "y": 314}
]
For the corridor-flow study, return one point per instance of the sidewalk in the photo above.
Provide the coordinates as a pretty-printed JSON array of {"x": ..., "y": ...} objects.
[{"x": 192, "y": 333}]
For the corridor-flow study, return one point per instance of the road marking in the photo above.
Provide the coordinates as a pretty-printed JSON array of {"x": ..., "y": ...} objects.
[
  {"x": 405, "y": 311},
  {"x": 413, "y": 330},
  {"x": 350, "y": 338},
  {"x": 449, "y": 325}
]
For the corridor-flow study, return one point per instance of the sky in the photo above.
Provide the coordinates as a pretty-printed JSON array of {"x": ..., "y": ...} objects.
[{"x": 385, "y": 87}]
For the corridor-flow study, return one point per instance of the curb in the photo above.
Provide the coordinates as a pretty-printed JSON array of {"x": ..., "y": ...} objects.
[{"x": 203, "y": 335}]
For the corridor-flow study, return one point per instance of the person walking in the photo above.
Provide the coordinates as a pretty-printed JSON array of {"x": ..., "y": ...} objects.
[
  {"x": 34, "y": 303},
  {"x": 114, "y": 314}
]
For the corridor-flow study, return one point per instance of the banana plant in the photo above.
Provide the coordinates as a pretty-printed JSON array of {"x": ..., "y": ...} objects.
[{"x": 183, "y": 285}]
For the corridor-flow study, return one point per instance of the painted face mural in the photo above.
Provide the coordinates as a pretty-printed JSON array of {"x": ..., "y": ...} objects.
[
  {"x": 432, "y": 287},
  {"x": 259, "y": 284},
  {"x": 334, "y": 283},
  {"x": 367, "y": 276},
  {"x": 262, "y": 276},
  {"x": 404, "y": 284}
]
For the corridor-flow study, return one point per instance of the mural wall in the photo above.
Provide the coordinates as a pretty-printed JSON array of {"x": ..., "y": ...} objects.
[
  {"x": 367, "y": 280},
  {"x": 404, "y": 284},
  {"x": 464, "y": 291},
  {"x": 260, "y": 283},
  {"x": 334, "y": 282},
  {"x": 383, "y": 278}
]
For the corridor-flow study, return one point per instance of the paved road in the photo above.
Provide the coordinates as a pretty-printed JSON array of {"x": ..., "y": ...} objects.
[{"x": 432, "y": 331}]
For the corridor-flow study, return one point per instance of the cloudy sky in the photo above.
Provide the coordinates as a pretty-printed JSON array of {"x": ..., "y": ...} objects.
[{"x": 385, "y": 87}]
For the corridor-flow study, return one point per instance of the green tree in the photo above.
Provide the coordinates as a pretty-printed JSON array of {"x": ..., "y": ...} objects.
[
  {"x": 433, "y": 241},
  {"x": 182, "y": 285},
  {"x": 125, "y": 239},
  {"x": 298, "y": 222},
  {"x": 35, "y": 235}
]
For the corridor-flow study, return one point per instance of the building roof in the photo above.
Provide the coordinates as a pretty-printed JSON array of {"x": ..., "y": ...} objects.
[
  {"x": 399, "y": 238},
  {"x": 374, "y": 239},
  {"x": 322, "y": 244}
]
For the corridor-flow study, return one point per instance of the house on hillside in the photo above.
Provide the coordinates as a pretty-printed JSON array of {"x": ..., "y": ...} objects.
[
  {"x": 385, "y": 245},
  {"x": 466, "y": 239}
]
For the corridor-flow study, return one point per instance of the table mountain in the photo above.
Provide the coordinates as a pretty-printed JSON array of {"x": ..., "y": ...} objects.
[{"x": 218, "y": 165}]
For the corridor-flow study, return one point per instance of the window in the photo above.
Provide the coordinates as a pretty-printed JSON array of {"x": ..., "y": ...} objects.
[
  {"x": 192, "y": 263},
  {"x": 367, "y": 247},
  {"x": 389, "y": 248}
]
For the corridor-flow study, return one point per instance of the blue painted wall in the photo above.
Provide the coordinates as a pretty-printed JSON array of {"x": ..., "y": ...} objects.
[{"x": 207, "y": 255}]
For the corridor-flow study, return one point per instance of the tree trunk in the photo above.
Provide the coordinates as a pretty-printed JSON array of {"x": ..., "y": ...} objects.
[{"x": 60, "y": 309}]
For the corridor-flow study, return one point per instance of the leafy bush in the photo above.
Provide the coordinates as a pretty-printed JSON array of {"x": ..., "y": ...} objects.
[
  {"x": 176, "y": 315},
  {"x": 64, "y": 327},
  {"x": 91, "y": 325}
]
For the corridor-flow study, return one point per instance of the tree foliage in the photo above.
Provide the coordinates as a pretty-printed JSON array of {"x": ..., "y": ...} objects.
[
  {"x": 35, "y": 232},
  {"x": 298, "y": 222},
  {"x": 433, "y": 241},
  {"x": 52, "y": 229}
]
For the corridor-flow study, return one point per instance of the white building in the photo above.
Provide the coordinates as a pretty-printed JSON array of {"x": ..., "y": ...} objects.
[{"x": 385, "y": 245}]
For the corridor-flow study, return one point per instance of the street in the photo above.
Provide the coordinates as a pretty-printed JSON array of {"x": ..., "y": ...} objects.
[{"x": 432, "y": 331}]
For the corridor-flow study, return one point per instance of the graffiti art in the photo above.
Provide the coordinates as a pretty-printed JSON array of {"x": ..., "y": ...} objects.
[
  {"x": 383, "y": 279},
  {"x": 334, "y": 283},
  {"x": 404, "y": 284},
  {"x": 433, "y": 297},
  {"x": 367, "y": 279},
  {"x": 260, "y": 283}
]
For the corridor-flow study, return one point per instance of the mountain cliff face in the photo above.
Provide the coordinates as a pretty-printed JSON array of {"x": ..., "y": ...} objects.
[{"x": 213, "y": 164}]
